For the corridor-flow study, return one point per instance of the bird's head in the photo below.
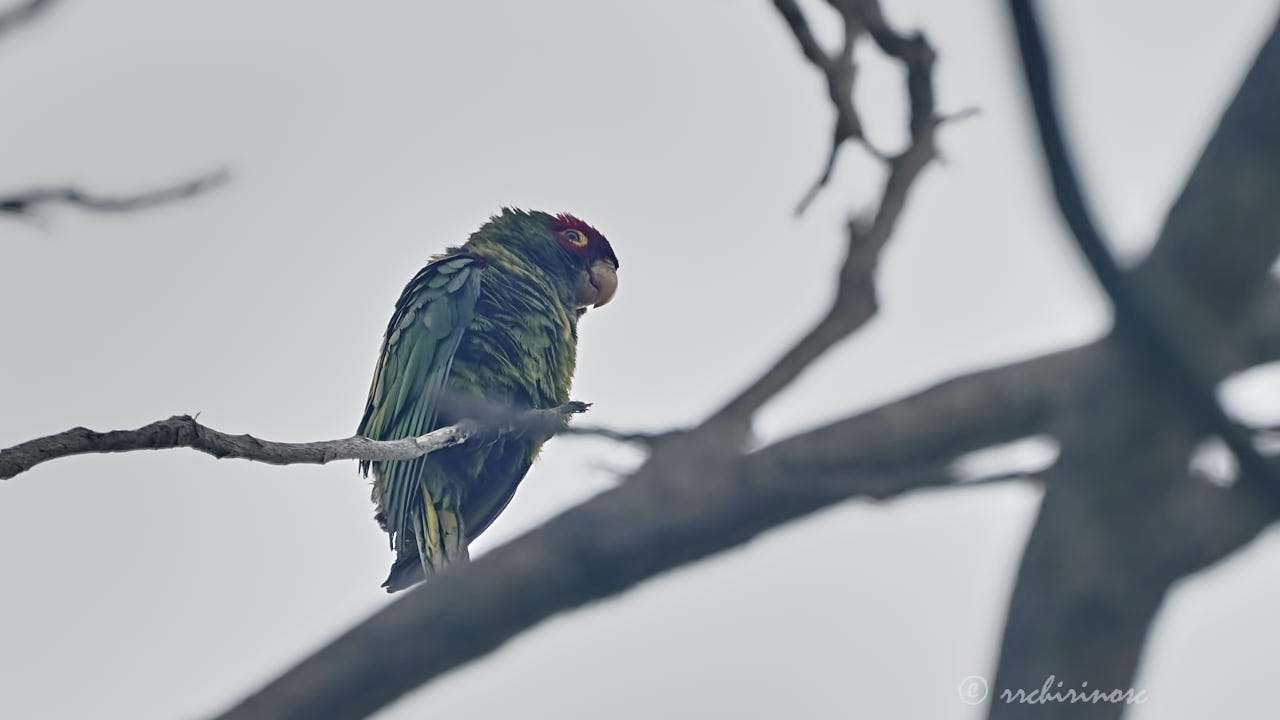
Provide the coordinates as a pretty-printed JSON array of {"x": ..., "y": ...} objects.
[
  {"x": 575, "y": 255},
  {"x": 589, "y": 258}
]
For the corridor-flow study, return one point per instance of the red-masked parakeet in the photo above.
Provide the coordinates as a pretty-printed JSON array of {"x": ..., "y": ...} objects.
[{"x": 494, "y": 319}]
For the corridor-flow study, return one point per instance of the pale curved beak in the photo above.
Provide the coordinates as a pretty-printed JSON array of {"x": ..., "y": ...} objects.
[{"x": 597, "y": 284}]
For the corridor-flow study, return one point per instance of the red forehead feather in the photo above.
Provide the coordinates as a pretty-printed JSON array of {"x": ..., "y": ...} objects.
[{"x": 565, "y": 221}]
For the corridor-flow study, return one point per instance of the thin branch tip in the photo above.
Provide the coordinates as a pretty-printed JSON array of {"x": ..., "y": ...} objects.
[{"x": 27, "y": 203}]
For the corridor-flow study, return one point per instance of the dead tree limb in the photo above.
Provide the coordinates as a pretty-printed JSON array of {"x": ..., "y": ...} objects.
[
  {"x": 27, "y": 203},
  {"x": 183, "y": 431},
  {"x": 22, "y": 13},
  {"x": 1140, "y": 324},
  {"x": 1122, "y": 519},
  {"x": 855, "y": 301},
  {"x": 839, "y": 71}
]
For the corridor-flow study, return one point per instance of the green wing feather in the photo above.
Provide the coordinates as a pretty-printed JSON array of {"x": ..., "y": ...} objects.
[{"x": 430, "y": 318}]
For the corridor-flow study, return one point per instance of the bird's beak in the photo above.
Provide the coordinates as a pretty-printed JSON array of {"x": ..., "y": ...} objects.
[{"x": 597, "y": 284}]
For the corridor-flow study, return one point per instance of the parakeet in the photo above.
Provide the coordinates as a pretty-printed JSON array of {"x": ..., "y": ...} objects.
[{"x": 495, "y": 319}]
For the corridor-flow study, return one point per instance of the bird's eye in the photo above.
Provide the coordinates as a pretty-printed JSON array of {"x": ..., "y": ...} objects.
[{"x": 575, "y": 238}]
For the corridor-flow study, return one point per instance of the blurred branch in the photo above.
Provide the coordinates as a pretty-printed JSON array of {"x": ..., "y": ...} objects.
[
  {"x": 839, "y": 70},
  {"x": 21, "y": 14},
  {"x": 27, "y": 202},
  {"x": 1122, "y": 518},
  {"x": 183, "y": 431},
  {"x": 855, "y": 301},
  {"x": 1138, "y": 321}
]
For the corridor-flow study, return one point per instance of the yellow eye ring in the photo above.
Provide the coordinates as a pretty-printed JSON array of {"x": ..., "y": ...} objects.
[{"x": 575, "y": 238}]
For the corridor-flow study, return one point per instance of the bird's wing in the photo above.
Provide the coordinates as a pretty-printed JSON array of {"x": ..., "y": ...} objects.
[{"x": 430, "y": 318}]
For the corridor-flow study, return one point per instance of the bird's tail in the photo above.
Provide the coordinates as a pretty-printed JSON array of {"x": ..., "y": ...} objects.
[
  {"x": 441, "y": 542},
  {"x": 405, "y": 572}
]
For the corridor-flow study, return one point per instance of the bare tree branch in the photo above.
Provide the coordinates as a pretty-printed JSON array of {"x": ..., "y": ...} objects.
[
  {"x": 813, "y": 51},
  {"x": 855, "y": 301},
  {"x": 27, "y": 202},
  {"x": 988, "y": 407},
  {"x": 1122, "y": 520},
  {"x": 839, "y": 70},
  {"x": 1139, "y": 322},
  {"x": 22, "y": 14},
  {"x": 577, "y": 558},
  {"x": 183, "y": 431}
]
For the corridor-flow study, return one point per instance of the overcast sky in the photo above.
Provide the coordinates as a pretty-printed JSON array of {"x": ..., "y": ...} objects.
[{"x": 364, "y": 137}]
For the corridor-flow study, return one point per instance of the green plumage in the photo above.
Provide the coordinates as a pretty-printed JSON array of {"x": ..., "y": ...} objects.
[{"x": 495, "y": 319}]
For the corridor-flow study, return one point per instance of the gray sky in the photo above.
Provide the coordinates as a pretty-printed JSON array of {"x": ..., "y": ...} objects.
[{"x": 365, "y": 137}]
